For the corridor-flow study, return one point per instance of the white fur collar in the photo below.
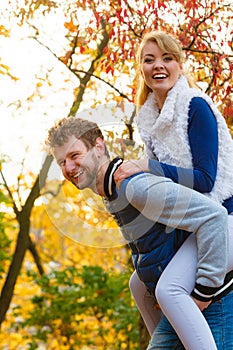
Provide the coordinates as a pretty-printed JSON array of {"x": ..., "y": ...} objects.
[{"x": 149, "y": 114}]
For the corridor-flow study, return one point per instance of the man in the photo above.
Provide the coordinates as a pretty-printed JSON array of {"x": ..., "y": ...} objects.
[{"x": 146, "y": 207}]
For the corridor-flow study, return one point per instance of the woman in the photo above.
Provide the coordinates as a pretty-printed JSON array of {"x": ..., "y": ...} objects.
[{"x": 184, "y": 131}]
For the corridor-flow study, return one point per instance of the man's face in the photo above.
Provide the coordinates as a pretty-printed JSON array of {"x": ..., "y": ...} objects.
[{"x": 78, "y": 164}]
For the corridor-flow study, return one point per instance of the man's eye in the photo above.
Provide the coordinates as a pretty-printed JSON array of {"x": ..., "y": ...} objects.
[{"x": 75, "y": 155}]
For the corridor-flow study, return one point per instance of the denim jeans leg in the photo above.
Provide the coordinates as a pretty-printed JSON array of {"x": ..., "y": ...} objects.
[
  {"x": 219, "y": 316},
  {"x": 164, "y": 337}
]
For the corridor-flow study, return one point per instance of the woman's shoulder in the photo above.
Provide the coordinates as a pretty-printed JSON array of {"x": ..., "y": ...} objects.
[
  {"x": 199, "y": 103},
  {"x": 201, "y": 110}
]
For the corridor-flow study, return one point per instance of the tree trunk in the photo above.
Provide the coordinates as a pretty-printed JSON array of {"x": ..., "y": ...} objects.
[{"x": 23, "y": 239}]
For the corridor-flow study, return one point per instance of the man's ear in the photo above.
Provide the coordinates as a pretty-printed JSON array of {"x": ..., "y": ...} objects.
[{"x": 100, "y": 146}]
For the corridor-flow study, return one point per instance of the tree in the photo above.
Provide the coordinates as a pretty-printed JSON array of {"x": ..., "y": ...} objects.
[{"x": 23, "y": 240}]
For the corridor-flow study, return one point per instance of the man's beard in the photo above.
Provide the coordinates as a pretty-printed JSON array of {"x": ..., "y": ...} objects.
[
  {"x": 90, "y": 177},
  {"x": 89, "y": 182}
]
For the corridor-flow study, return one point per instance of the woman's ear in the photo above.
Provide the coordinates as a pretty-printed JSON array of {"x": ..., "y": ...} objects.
[{"x": 181, "y": 68}]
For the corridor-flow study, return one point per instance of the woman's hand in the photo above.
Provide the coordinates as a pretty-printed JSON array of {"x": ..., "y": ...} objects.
[
  {"x": 201, "y": 304},
  {"x": 130, "y": 167}
]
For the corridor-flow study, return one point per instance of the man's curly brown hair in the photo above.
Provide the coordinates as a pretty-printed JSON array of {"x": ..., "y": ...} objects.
[{"x": 82, "y": 129}]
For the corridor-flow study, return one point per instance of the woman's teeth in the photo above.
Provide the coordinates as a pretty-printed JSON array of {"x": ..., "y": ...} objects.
[{"x": 159, "y": 76}]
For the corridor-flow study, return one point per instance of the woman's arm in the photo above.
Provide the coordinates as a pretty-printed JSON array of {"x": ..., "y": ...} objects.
[{"x": 203, "y": 139}]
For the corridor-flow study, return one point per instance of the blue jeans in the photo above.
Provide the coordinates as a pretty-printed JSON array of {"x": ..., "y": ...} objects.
[{"x": 219, "y": 316}]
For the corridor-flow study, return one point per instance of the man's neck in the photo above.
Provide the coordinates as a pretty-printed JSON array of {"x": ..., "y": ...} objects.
[
  {"x": 109, "y": 183},
  {"x": 100, "y": 178}
]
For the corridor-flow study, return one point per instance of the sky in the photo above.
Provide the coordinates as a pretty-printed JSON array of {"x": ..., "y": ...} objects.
[{"x": 22, "y": 127}]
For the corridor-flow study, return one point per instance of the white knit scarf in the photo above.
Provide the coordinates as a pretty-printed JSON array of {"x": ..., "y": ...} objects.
[{"x": 165, "y": 134}]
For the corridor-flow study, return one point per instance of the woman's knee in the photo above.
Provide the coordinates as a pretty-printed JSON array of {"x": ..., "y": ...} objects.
[
  {"x": 166, "y": 291},
  {"x": 135, "y": 284}
]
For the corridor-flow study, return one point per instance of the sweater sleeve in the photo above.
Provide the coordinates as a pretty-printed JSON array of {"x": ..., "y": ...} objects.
[{"x": 203, "y": 139}]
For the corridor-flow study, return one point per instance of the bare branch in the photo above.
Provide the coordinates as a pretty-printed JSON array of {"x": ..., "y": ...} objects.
[{"x": 16, "y": 211}]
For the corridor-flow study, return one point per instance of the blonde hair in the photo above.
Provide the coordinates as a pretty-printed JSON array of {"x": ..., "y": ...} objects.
[{"x": 166, "y": 43}]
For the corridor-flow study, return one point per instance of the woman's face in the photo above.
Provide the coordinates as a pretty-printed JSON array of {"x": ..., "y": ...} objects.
[{"x": 160, "y": 70}]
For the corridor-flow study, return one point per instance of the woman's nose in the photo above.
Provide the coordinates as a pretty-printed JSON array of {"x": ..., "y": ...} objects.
[{"x": 158, "y": 64}]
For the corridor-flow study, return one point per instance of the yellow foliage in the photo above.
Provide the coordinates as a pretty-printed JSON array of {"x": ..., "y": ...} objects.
[
  {"x": 4, "y": 31},
  {"x": 70, "y": 26},
  {"x": 74, "y": 228},
  {"x": 82, "y": 217}
]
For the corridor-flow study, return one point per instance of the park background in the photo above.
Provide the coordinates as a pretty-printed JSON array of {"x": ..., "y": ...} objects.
[{"x": 64, "y": 268}]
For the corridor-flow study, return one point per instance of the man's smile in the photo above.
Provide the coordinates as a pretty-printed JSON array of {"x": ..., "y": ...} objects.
[{"x": 79, "y": 173}]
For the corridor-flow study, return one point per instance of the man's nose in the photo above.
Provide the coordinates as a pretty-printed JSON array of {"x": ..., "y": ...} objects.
[{"x": 69, "y": 165}]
